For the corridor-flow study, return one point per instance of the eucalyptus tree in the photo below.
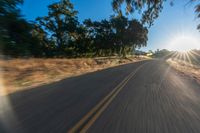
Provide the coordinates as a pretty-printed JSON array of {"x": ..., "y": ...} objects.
[
  {"x": 197, "y": 10},
  {"x": 149, "y": 9}
]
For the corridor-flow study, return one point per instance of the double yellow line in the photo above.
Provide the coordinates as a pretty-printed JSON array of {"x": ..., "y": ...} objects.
[{"x": 86, "y": 122}]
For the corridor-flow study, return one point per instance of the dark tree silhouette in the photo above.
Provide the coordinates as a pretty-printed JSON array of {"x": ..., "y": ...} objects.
[
  {"x": 150, "y": 9},
  {"x": 60, "y": 34},
  {"x": 15, "y": 32},
  {"x": 197, "y": 10},
  {"x": 60, "y": 24},
  {"x": 116, "y": 36}
]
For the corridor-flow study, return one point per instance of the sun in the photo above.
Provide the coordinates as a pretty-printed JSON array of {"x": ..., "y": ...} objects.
[{"x": 184, "y": 43}]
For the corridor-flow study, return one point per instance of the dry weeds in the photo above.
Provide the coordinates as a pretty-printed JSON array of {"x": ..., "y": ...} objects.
[
  {"x": 186, "y": 68},
  {"x": 20, "y": 74}
]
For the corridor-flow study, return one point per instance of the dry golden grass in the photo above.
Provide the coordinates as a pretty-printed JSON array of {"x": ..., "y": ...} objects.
[
  {"x": 19, "y": 74},
  {"x": 185, "y": 68}
]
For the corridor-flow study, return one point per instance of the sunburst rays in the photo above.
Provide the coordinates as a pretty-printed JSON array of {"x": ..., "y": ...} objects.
[{"x": 191, "y": 57}]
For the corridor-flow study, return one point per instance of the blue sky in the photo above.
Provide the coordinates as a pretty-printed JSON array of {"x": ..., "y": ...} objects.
[{"x": 172, "y": 22}]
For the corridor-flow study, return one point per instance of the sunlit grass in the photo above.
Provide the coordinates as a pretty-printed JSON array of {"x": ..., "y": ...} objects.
[
  {"x": 192, "y": 57},
  {"x": 26, "y": 73},
  {"x": 187, "y": 62}
]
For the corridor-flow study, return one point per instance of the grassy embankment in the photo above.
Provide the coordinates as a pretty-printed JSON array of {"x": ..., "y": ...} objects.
[
  {"x": 20, "y": 74},
  {"x": 188, "y": 64}
]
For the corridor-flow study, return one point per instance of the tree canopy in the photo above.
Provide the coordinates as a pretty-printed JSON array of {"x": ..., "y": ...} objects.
[
  {"x": 60, "y": 34},
  {"x": 60, "y": 24},
  {"x": 197, "y": 10},
  {"x": 149, "y": 9},
  {"x": 16, "y": 38},
  {"x": 62, "y": 30}
]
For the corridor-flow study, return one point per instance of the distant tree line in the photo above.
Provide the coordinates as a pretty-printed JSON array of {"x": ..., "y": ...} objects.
[
  {"x": 60, "y": 34},
  {"x": 163, "y": 53}
]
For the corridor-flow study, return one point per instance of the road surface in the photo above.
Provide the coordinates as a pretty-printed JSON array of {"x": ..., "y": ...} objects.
[{"x": 142, "y": 97}]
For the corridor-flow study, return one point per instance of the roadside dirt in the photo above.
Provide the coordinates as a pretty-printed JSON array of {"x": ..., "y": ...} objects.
[
  {"x": 20, "y": 74},
  {"x": 185, "y": 68}
]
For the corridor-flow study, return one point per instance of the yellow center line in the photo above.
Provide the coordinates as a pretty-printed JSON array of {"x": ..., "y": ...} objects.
[{"x": 108, "y": 99}]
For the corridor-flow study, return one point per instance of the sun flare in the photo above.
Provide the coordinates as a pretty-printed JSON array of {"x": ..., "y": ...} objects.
[{"x": 184, "y": 43}]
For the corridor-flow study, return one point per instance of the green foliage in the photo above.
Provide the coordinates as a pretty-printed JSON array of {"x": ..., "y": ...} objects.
[
  {"x": 129, "y": 35},
  {"x": 60, "y": 34},
  {"x": 16, "y": 33},
  {"x": 60, "y": 24},
  {"x": 164, "y": 53},
  {"x": 99, "y": 38},
  {"x": 116, "y": 36},
  {"x": 150, "y": 9},
  {"x": 197, "y": 10}
]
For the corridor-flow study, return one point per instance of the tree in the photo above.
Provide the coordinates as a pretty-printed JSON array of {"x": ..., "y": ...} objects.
[
  {"x": 164, "y": 53},
  {"x": 46, "y": 46},
  {"x": 100, "y": 34},
  {"x": 129, "y": 34},
  {"x": 116, "y": 36},
  {"x": 60, "y": 34},
  {"x": 136, "y": 36},
  {"x": 150, "y": 8},
  {"x": 60, "y": 24},
  {"x": 8, "y": 14},
  {"x": 16, "y": 33},
  {"x": 197, "y": 10}
]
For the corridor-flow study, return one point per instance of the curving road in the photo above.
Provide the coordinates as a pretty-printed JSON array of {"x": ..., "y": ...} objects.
[{"x": 142, "y": 97}]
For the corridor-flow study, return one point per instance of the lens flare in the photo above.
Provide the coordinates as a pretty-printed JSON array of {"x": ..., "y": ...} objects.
[
  {"x": 184, "y": 43},
  {"x": 7, "y": 113}
]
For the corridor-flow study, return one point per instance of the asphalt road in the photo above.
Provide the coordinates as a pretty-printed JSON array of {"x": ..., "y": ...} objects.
[{"x": 142, "y": 97}]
